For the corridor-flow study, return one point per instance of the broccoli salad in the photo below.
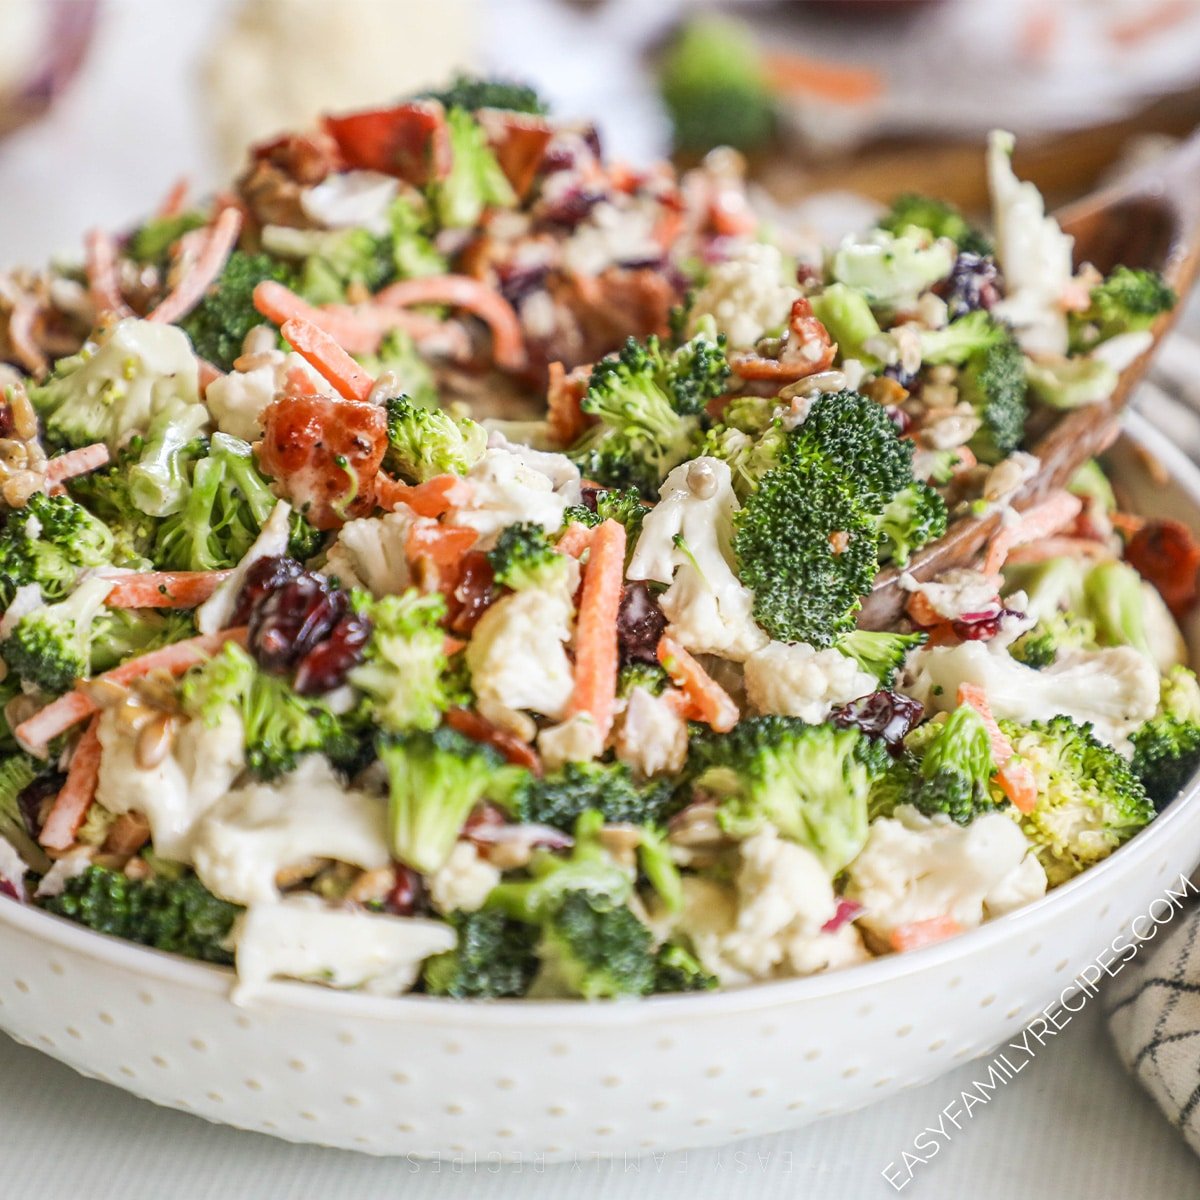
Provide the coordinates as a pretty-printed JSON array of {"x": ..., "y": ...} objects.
[{"x": 433, "y": 564}]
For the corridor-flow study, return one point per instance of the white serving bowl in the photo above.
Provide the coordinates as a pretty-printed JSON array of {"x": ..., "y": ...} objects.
[{"x": 427, "y": 1076}]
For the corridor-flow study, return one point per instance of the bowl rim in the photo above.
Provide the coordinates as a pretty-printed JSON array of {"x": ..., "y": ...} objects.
[{"x": 169, "y": 968}]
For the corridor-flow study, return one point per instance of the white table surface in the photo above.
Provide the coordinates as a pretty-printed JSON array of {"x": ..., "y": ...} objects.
[{"x": 1071, "y": 1126}]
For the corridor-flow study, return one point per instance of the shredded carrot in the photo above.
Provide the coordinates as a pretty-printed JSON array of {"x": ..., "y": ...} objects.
[
  {"x": 59, "y": 715},
  {"x": 1060, "y": 547},
  {"x": 596, "y": 656},
  {"x": 914, "y": 934},
  {"x": 921, "y": 610},
  {"x": 175, "y": 199},
  {"x": 443, "y": 545},
  {"x": 461, "y": 291},
  {"x": 321, "y": 351},
  {"x": 707, "y": 700},
  {"x": 77, "y": 792},
  {"x": 972, "y": 694},
  {"x": 1017, "y": 782},
  {"x": 564, "y": 392},
  {"x": 796, "y": 73},
  {"x": 25, "y": 348},
  {"x": 279, "y": 304},
  {"x": 207, "y": 373},
  {"x": 164, "y": 589},
  {"x": 966, "y": 460},
  {"x": 77, "y": 462},
  {"x": 575, "y": 539},
  {"x": 1040, "y": 521},
  {"x": 1127, "y": 523},
  {"x": 101, "y": 271},
  {"x": 205, "y": 271},
  {"x": 432, "y": 498}
]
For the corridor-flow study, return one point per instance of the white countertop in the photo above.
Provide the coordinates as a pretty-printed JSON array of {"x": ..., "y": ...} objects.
[{"x": 1071, "y": 1126}]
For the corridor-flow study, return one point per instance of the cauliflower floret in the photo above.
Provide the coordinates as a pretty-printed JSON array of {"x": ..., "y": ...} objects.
[
  {"x": 748, "y": 296},
  {"x": 1033, "y": 253},
  {"x": 350, "y": 199},
  {"x": 686, "y": 541},
  {"x": 916, "y": 868},
  {"x": 272, "y": 541},
  {"x": 558, "y": 468},
  {"x": 371, "y": 552},
  {"x": 517, "y": 654},
  {"x": 800, "y": 681},
  {"x": 1115, "y": 689},
  {"x": 504, "y": 490},
  {"x": 652, "y": 737},
  {"x": 957, "y": 592},
  {"x": 577, "y": 739},
  {"x": 304, "y": 938},
  {"x": 243, "y": 842},
  {"x": 236, "y": 400},
  {"x": 176, "y": 793},
  {"x": 772, "y": 925},
  {"x": 462, "y": 883}
]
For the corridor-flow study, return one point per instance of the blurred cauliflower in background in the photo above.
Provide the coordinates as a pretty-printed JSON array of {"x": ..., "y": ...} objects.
[{"x": 279, "y": 63}]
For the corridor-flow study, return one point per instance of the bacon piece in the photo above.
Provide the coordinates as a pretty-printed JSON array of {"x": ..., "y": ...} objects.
[
  {"x": 519, "y": 141},
  {"x": 410, "y": 141},
  {"x": 479, "y": 729},
  {"x": 1166, "y": 553}
]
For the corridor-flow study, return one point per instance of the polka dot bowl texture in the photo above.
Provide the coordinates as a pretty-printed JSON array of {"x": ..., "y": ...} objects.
[{"x": 426, "y": 1076}]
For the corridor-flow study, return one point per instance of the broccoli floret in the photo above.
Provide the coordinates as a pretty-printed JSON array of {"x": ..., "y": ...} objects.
[
  {"x": 218, "y": 325},
  {"x": 226, "y": 506},
  {"x": 115, "y": 386},
  {"x": 595, "y": 948},
  {"x": 559, "y": 797},
  {"x": 714, "y": 85},
  {"x": 858, "y": 438},
  {"x": 879, "y": 654},
  {"x": 644, "y": 675},
  {"x": 807, "y": 549},
  {"x": 179, "y": 915},
  {"x": 963, "y": 339},
  {"x": 435, "y": 780},
  {"x": 335, "y": 260},
  {"x": 936, "y": 217},
  {"x": 1127, "y": 301},
  {"x": 1114, "y": 601},
  {"x": 623, "y": 505},
  {"x": 1166, "y": 749},
  {"x": 675, "y": 970},
  {"x": 105, "y": 494},
  {"x": 151, "y": 242},
  {"x": 17, "y": 772},
  {"x": 158, "y": 477},
  {"x": 993, "y": 383},
  {"x": 912, "y": 518},
  {"x": 413, "y": 252},
  {"x": 1089, "y": 799},
  {"x": 810, "y": 781},
  {"x": 525, "y": 557},
  {"x": 473, "y": 92},
  {"x": 122, "y": 633},
  {"x": 956, "y": 768},
  {"x": 495, "y": 957},
  {"x": 280, "y": 726},
  {"x": 846, "y": 314},
  {"x": 476, "y": 181},
  {"x": 897, "y": 783},
  {"x": 424, "y": 442},
  {"x": 397, "y": 356},
  {"x": 403, "y": 672},
  {"x": 51, "y": 646},
  {"x": 648, "y": 404},
  {"x": 49, "y": 542},
  {"x": 1057, "y": 631},
  {"x": 1091, "y": 483},
  {"x": 1067, "y": 383}
]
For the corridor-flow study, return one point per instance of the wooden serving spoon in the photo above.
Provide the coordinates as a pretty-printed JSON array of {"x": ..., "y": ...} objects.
[{"x": 1150, "y": 220}]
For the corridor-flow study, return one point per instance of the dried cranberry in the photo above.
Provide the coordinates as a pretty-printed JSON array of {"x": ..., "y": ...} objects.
[
  {"x": 482, "y": 816},
  {"x": 899, "y": 418},
  {"x": 517, "y": 282},
  {"x": 473, "y": 594},
  {"x": 653, "y": 262},
  {"x": 973, "y": 283},
  {"x": 588, "y": 495},
  {"x": 885, "y": 714},
  {"x": 288, "y": 622},
  {"x": 6, "y": 419},
  {"x": 569, "y": 209},
  {"x": 1167, "y": 553},
  {"x": 981, "y": 627},
  {"x": 640, "y": 624},
  {"x": 327, "y": 664},
  {"x": 33, "y": 798},
  {"x": 263, "y": 577},
  {"x": 904, "y": 378},
  {"x": 407, "y": 895}
]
